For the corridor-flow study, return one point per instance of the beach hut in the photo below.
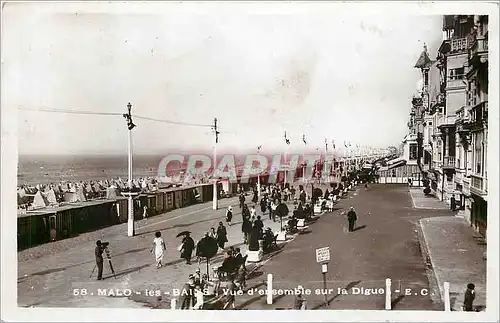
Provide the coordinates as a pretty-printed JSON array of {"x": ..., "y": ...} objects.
[
  {"x": 112, "y": 193},
  {"x": 70, "y": 197},
  {"x": 81, "y": 195},
  {"x": 39, "y": 201},
  {"x": 50, "y": 196}
]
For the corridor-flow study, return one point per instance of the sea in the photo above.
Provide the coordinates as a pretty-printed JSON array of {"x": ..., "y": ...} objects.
[{"x": 33, "y": 170}]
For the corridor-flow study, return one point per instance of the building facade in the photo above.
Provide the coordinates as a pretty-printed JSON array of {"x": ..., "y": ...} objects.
[{"x": 452, "y": 133}]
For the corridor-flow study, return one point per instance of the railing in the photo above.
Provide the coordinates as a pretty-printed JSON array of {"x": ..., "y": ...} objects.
[
  {"x": 449, "y": 161},
  {"x": 436, "y": 165},
  {"x": 479, "y": 46},
  {"x": 460, "y": 44},
  {"x": 446, "y": 121},
  {"x": 478, "y": 183},
  {"x": 480, "y": 112}
]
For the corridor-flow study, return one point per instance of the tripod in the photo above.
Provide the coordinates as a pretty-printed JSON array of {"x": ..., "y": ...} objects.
[{"x": 108, "y": 256}]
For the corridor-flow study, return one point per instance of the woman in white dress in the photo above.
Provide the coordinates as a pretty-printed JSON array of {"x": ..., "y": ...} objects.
[
  {"x": 159, "y": 247},
  {"x": 330, "y": 203}
]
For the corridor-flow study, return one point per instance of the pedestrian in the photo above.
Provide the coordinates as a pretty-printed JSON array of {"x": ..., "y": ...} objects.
[
  {"x": 259, "y": 226},
  {"x": 197, "y": 277},
  {"x": 245, "y": 213},
  {"x": 145, "y": 212},
  {"x": 186, "y": 296},
  {"x": 469, "y": 297},
  {"x": 246, "y": 227},
  {"x": 212, "y": 233},
  {"x": 221, "y": 235},
  {"x": 231, "y": 291},
  {"x": 269, "y": 207},
  {"x": 453, "y": 203},
  {"x": 242, "y": 200},
  {"x": 274, "y": 206},
  {"x": 238, "y": 258},
  {"x": 229, "y": 215},
  {"x": 253, "y": 212},
  {"x": 159, "y": 247},
  {"x": 198, "y": 298},
  {"x": 351, "y": 218},
  {"x": 99, "y": 261},
  {"x": 263, "y": 205},
  {"x": 187, "y": 248},
  {"x": 300, "y": 301},
  {"x": 241, "y": 277},
  {"x": 255, "y": 198},
  {"x": 366, "y": 186},
  {"x": 302, "y": 197}
]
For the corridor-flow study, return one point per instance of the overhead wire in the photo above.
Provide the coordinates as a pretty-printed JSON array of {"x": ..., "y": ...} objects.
[{"x": 114, "y": 114}]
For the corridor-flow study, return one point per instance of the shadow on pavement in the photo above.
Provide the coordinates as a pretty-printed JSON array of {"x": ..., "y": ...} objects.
[
  {"x": 396, "y": 301},
  {"x": 255, "y": 274},
  {"x": 359, "y": 228},
  {"x": 55, "y": 270},
  {"x": 128, "y": 271},
  {"x": 183, "y": 225},
  {"x": 305, "y": 232},
  {"x": 347, "y": 287}
]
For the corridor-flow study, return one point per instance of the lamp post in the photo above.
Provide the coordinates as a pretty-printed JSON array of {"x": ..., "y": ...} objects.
[
  {"x": 129, "y": 193},
  {"x": 258, "y": 175},
  {"x": 215, "y": 193},
  {"x": 287, "y": 141},
  {"x": 326, "y": 156}
]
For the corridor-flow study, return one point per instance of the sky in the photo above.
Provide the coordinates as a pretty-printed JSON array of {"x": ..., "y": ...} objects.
[{"x": 260, "y": 70}]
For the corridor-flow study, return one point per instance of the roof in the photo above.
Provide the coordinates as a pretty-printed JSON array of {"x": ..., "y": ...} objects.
[{"x": 423, "y": 61}]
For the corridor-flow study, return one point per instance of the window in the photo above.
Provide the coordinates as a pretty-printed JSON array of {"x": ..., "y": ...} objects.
[
  {"x": 478, "y": 153},
  {"x": 456, "y": 74},
  {"x": 413, "y": 151}
]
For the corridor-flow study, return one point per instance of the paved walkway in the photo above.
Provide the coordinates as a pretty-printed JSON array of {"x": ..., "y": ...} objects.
[
  {"x": 384, "y": 245},
  {"x": 457, "y": 257},
  {"x": 49, "y": 274},
  {"x": 421, "y": 201}
]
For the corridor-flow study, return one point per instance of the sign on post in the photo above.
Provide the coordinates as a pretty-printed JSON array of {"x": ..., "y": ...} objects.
[{"x": 323, "y": 254}]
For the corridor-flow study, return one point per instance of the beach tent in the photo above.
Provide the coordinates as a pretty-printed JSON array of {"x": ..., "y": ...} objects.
[
  {"x": 21, "y": 193},
  {"x": 70, "y": 197},
  {"x": 80, "y": 193},
  {"x": 39, "y": 200},
  {"x": 50, "y": 196},
  {"x": 112, "y": 193}
]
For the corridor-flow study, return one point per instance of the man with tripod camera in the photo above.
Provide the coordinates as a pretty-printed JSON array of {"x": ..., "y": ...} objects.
[
  {"x": 99, "y": 260},
  {"x": 99, "y": 249}
]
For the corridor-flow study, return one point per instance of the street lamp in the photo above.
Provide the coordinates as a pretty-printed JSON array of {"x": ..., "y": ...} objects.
[
  {"x": 130, "y": 192},
  {"x": 287, "y": 141},
  {"x": 215, "y": 193},
  {"x": 258, "y": 175}
]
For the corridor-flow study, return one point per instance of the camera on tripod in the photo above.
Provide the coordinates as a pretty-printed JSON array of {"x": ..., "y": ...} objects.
[{"x": 104, "y": 245}]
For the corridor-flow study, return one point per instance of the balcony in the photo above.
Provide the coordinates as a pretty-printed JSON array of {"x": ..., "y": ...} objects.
[
  {"x": 459, "y": 45},
  {"x": 479, "y": 116},
  {"x": 463, "y": 119},
  {"x": 449, "y": 162},
  {"x": 446, "y": 121},
  {"x": 479, "y": 51},
  {"x": 479, "y": 185}
]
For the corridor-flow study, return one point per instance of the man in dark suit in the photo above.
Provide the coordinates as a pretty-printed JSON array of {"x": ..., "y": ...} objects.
[
  {"x": 238, "y": 258},
  {"x": 469, "y": 297},
  {"x": 98, "y": 259},
  {"x": 351, "y": 218}
]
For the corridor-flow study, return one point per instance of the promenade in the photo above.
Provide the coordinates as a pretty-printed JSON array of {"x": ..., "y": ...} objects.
[
  {"x": 392, "y": 240},
  {"x": 49, "y": 273}
]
